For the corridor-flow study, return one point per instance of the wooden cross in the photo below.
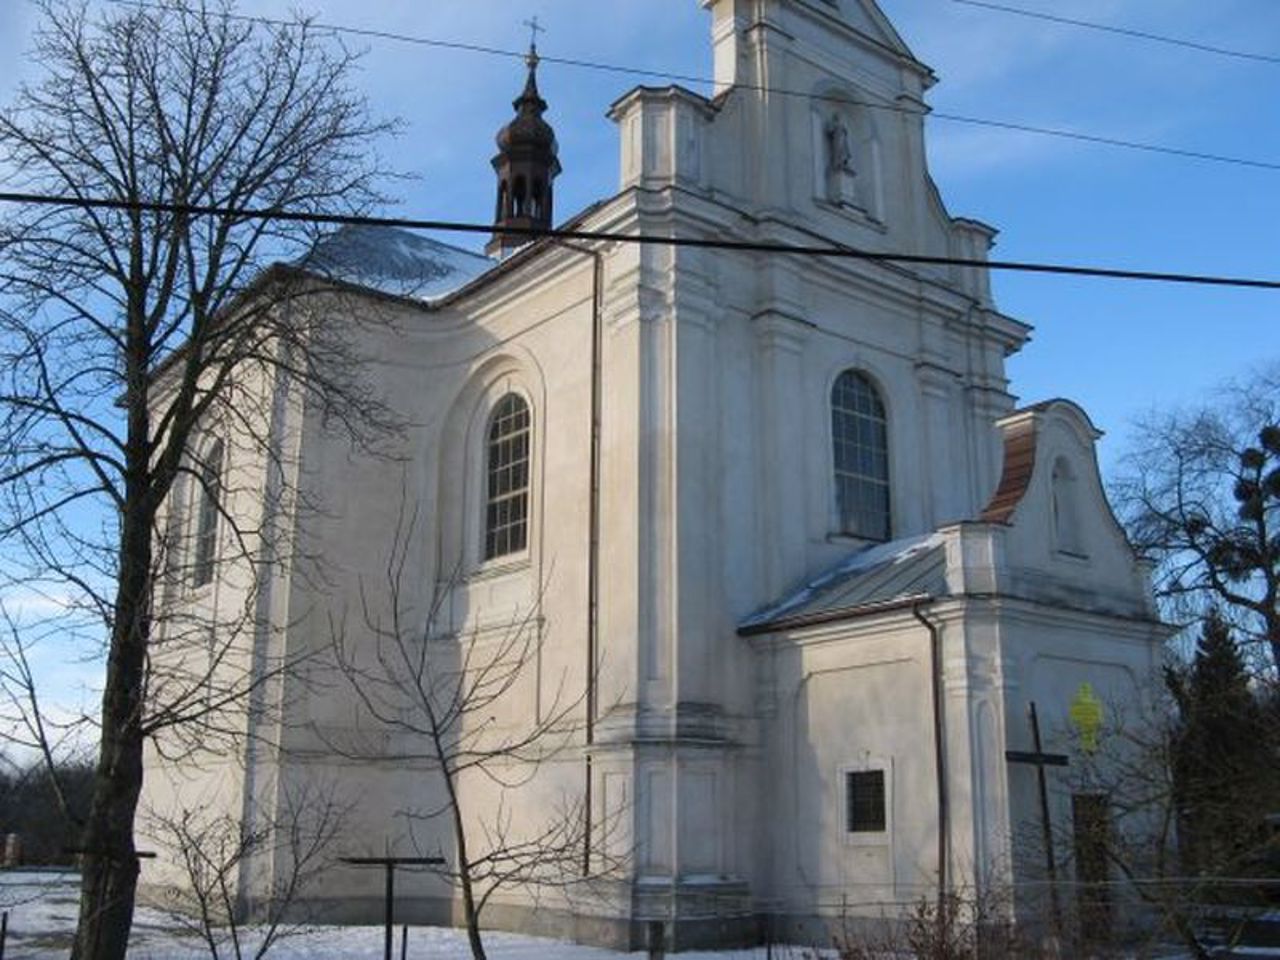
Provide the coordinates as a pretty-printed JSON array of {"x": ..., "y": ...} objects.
[
  {"x": 535, "y": 28},
  {"x": 1040, "y": 760}
]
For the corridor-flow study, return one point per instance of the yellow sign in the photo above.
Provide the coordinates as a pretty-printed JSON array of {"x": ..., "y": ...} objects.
[{"x": 1086, "y": 715}]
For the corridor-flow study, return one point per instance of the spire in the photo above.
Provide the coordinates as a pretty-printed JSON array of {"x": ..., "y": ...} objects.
[
  {"x": 526, "y": 162},
  {"x": 530, "y": 102},
  {"x": 531, "y": 59}
]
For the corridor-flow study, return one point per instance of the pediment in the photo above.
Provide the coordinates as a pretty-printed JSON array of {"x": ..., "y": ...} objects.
[{"x": 866, "y": 17}]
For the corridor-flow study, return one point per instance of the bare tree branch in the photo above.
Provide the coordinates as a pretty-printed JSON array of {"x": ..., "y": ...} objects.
[
  {"x": 129, "y": 339},
  {"x": 456, "y": 695},
  {"x": 1200, "y": 495}
]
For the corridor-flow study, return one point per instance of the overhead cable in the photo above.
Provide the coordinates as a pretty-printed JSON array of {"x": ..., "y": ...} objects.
[
  {"x": 838, "y": 251},
  {"x": 1061, "y": 133},
  {"x": 1124, "y": 31}
]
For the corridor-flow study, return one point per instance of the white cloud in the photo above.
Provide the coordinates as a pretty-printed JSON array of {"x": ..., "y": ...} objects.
[
  {"x": 964, "y": 151},
  {"x": 28, "y": 603}
]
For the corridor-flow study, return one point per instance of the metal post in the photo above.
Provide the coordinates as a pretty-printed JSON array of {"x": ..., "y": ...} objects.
[
  {"x": 391, "y": 893},
  {"x": 389, "y": 864},
  {"x": 4, "y": 931},
  {"x": 404, "y": 942}
]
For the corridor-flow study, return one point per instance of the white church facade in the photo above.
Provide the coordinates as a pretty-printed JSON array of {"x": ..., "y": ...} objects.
[{"x": 777, "y": 520}]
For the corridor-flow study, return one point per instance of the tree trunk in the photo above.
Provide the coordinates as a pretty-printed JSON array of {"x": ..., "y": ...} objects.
[
  {"x": 110, "y": 864},
  {"x": 109, "y": 880},
  {"x": 469, "y": 911}
]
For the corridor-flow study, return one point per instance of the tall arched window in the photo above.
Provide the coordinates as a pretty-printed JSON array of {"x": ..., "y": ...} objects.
[
  {"x": 506, "y": 517},
  {"x": 860, "y": 442},
  {"x": 208, "y": 498}
]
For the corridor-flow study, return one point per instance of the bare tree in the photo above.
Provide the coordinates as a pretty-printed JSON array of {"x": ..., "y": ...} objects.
[
  {"x": 24, "y": 725},
  {"x": 1128, "y": 799},
  {"x": 1200, "y": 494},
  {"x": 963, "y": 924},
  {"x": 449, "y": 701},
  {"x": 1122, "y": 822},
  {"x": 126, "y": 332},
  {"x": 212, "y": 848}
]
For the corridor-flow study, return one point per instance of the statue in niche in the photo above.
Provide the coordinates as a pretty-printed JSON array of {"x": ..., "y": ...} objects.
[{"x": 839, "y": 169}]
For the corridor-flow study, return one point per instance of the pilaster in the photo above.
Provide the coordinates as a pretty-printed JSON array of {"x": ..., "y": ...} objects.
[
  {"x": 780, "y": 339},
  {"x": 699, "y": 600},
  {"x": 947, "y": 480}
]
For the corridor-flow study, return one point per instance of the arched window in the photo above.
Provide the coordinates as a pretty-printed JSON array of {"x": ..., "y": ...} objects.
[
  {"x": 506, "y": 516},
  {"x": 208, "y": 499},
  {"x": 860, "y": 443}
]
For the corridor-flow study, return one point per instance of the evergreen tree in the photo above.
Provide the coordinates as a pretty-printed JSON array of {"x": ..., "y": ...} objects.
[
  {"x": 1224, "y": 756},
  {"x": 46, "y": 817}
]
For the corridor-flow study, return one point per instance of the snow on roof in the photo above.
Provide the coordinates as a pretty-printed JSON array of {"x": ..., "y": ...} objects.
[
  {"x": 840, "y": 583},
  {"x": 395, "y": 261}
]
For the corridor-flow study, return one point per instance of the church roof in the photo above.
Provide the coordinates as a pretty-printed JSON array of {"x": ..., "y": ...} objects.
[
  {"x": 395, "y": 261},
  {"x": 528, "y": 129},
  {"x": 912, "y": 567}
]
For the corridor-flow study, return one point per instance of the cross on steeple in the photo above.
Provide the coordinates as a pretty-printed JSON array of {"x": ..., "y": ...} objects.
[{"x": 535, "y": 28}]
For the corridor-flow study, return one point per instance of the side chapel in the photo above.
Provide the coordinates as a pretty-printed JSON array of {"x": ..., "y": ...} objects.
[{"x": 787, "y": 508}]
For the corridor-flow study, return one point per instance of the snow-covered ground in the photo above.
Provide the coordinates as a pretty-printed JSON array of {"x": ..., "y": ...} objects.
[{"x": 42, "y": 914}]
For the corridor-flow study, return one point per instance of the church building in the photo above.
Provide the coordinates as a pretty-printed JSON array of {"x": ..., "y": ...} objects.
[{"x": 790, "y": 550}]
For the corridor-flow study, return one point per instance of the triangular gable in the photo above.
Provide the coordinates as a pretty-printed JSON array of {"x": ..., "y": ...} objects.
[{"x": 866, "y": 17}]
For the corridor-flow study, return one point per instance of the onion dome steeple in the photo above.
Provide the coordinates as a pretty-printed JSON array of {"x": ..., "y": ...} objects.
[{"x": 526, "y": 164}]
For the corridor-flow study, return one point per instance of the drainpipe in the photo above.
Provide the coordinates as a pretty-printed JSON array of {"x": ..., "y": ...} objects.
[
  {"x": 939, "y": 747},
  {"x": 593, "y": 534}
]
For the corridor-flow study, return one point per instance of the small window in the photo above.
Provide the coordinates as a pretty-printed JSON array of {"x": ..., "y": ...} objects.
[
  {"x": 208, "y": 498},
  {"x": 506, "y": 524},
  {"x": 860, "y": 445},
  {"x": 864, "y": 801}
]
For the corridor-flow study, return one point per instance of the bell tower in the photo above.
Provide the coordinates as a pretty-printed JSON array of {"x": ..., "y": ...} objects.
[{"x": 526, "y": 164}]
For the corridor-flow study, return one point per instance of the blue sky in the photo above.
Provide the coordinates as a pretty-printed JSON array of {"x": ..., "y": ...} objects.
[{"x": 1119, "y": 349}]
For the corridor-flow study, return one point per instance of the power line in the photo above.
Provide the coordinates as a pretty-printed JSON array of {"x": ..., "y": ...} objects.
[
  {"x": 1124, "y": 31},
  {"x": 749, "y": 246},
  {"x": 1057, "y": 132}
]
